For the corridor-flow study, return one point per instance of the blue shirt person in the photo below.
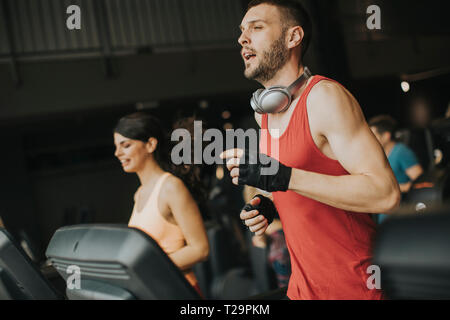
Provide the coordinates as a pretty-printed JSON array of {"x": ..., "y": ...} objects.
[{"x": 402, "y": 159}]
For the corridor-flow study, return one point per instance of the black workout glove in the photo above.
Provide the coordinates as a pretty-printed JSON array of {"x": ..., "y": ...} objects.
[
  {"x": 263, "y": 172},
  {"x": 265, "y": 207}
]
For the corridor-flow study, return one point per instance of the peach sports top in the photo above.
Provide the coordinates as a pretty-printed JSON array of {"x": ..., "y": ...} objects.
[{"x": 150, "y": 220}]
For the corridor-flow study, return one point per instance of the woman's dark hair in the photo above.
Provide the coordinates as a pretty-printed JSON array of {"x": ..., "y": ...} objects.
[{"x": 142, "y": 126}]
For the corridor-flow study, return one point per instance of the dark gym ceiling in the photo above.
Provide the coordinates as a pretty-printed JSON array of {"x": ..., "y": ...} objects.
[{"x": 154, "y": 50}]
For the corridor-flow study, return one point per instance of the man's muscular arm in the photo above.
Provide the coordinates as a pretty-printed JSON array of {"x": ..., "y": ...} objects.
[{"x": 371, "y": 186}]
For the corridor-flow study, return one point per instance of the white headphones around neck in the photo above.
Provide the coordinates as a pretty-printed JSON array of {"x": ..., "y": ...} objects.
[{"x": 277, "y": 98}]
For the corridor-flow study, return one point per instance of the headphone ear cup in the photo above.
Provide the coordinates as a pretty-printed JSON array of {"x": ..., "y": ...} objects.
[
  {"x": 255, "y": 103},
  {"x": 274, "y": 99}
]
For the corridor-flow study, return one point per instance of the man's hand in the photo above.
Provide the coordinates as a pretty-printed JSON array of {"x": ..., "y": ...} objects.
[
  {"x": 255, "y": 221},
  {"x": 233, "y": 156},
  {"x": 257, "y": 170}
]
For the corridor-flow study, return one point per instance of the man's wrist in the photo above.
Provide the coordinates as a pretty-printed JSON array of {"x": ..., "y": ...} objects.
[
  {"x": 298, "y": 180},
  {"x": 264, "y": 172},
  {"x": 281, "y": 180}
]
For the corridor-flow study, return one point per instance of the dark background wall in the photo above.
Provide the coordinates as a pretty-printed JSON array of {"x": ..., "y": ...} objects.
[{"x": 62, "y": 91}]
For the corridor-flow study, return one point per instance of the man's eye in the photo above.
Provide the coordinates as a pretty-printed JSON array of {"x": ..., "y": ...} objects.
[{"x": 258, "y": 27}]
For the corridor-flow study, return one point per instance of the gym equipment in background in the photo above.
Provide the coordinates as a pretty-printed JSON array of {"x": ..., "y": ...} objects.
[
  {"x": 116, "y": 263},
  {"x": 433, "y": 187},
  {"x": 20, "y": 279},
  {"x": 430, "y": 189},
  {"x": 413, "y": 253}
]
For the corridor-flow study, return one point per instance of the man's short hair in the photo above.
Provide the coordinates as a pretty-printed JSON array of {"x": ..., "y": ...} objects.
[
  {"x": 294, "y": 14},
  {"x": 384, "y": 123}
]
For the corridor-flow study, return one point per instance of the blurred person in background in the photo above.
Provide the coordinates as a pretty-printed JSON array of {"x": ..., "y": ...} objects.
[
  {"x": 419, "y": 137},
  {"x": 447, "y": 112},
  {"x": 278, "y": 256},
  {"x": 420, "y": 114},
  {"x": 401, "y": 158}
]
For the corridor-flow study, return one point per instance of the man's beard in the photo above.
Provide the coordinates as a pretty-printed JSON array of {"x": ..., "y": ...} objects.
[{"x": 272, "y": 60}]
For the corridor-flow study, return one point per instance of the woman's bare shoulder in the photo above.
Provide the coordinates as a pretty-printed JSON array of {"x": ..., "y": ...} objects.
[{"x": 173, "y": 188}]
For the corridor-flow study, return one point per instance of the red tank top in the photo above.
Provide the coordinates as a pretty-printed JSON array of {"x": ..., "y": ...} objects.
[{"x": 330, "y": 248}]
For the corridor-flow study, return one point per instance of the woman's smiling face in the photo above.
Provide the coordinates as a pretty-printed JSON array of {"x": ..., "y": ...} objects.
[{"x": 131, "y": 153}]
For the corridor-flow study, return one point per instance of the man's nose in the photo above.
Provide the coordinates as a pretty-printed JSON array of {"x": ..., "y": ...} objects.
[{"x": 244, "y": 39}]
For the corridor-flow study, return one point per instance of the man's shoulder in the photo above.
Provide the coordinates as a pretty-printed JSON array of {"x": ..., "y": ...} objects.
[
  {"x": 401, "y": 147},
  {"x": 325, "y": 86},
  {"x": 403, "y": 156},
  {"x": 331, "y": 105},
  {"x": 327, "y": 92},
  {"x": 402, "y": 150}
]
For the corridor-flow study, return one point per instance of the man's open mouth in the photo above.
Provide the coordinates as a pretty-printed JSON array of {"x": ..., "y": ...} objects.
[{"x": 248, "y": 56}]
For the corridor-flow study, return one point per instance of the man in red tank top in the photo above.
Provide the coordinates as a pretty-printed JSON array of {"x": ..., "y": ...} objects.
[{"x": 332, "y": 171}]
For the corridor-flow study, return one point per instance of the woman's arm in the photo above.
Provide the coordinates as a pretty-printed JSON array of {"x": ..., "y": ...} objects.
[{"x": 187, "y": 215}]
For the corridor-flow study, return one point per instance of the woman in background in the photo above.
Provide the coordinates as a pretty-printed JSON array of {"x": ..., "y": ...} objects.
[
  {"x": 278, "y": 256},
  {"x": 163, "y": 206}
]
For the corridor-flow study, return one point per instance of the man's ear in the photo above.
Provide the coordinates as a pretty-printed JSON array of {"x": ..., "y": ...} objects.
[
  {"x": 295, "y": 36},
  {"x": 151, "y": 144}
]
